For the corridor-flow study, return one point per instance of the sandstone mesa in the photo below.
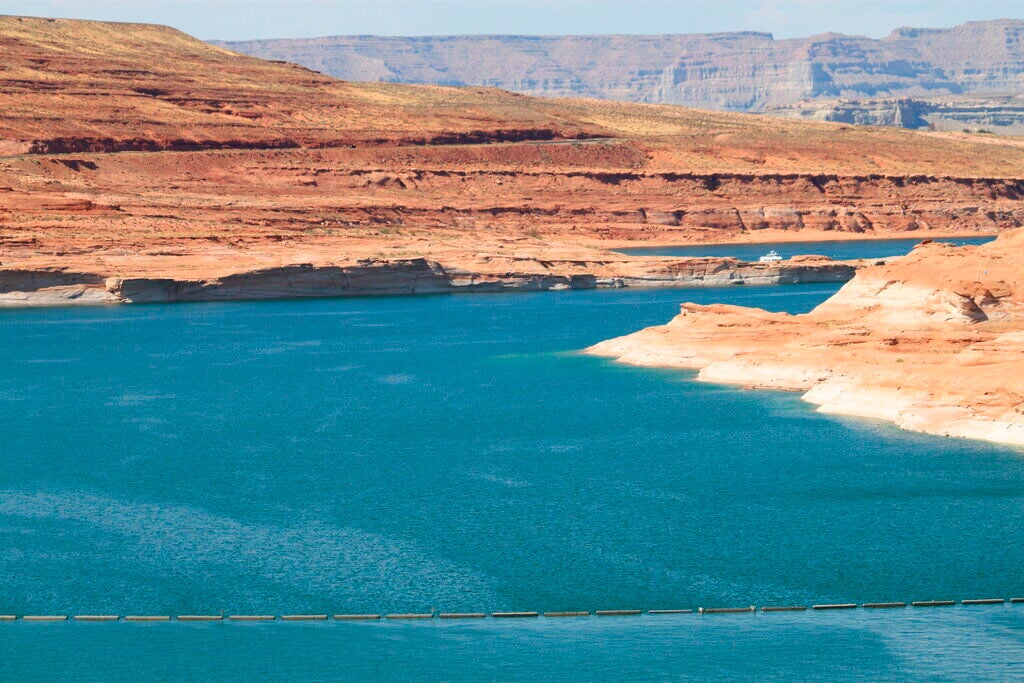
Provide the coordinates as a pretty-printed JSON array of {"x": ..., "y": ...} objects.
[
  {"x": 915, "y": 78},
  {"x": 933, "y": 341}
]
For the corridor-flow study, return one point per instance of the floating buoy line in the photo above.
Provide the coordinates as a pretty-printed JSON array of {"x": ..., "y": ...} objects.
[{"x": 421, "y": 616}]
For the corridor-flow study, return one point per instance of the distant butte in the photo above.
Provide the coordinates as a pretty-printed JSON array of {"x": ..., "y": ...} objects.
[{"x": 140, "y": 164}]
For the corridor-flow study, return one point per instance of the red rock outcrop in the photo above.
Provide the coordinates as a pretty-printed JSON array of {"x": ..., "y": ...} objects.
[{"x": 933, "y": 341}]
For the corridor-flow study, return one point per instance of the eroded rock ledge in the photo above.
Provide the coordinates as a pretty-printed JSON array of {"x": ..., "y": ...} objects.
[
  {"x": 933, "y": 342},
  {"x": 50, "y": 287}
]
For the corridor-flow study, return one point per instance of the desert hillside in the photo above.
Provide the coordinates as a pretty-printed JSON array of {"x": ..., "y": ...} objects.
[
  {"x": 72, "y": 86},
  {"x": 137, "y": 154}
]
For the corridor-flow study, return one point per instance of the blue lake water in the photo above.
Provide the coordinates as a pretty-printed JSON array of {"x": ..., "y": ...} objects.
[
  {"x": 455, "y": 453},
  {"x": 839, "y": 250}
]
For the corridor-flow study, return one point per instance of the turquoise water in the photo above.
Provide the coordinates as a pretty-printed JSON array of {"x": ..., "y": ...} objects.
[
  {"x": 977, "y": 643},
  {"x": 840, "y": 250},
  {"x": 457, "y": 454}
]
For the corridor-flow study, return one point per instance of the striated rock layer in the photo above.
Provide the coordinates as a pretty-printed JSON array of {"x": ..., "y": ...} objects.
[
  {"x": 45, "y": 287},
  {"x": 745, "y": 71},
  {"x": 740, "y": 70},
  {"x": 140, "y": 164},
  {"x": 933, "y": 342},
  {"x": 981, "y": 114}
]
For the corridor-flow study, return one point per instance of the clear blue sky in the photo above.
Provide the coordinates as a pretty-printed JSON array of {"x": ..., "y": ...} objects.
[{"x": 236, "y": 19}]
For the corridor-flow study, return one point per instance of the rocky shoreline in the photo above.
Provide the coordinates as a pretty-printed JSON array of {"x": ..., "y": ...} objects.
[
  {"x": 933, "y": 342},
  {"x": 369, "y": 277}
]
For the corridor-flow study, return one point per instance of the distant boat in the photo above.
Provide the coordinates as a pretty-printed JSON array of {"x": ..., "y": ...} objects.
[{"x": 771, "y": 257}]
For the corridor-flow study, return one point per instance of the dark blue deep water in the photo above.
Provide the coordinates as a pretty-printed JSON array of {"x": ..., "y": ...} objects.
[
  {"x": 839, "y": 250},
  {"x": 457, "y": 454}
]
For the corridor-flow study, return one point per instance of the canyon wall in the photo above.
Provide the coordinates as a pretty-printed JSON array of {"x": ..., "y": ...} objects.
[{"x": 744, "y": 71}]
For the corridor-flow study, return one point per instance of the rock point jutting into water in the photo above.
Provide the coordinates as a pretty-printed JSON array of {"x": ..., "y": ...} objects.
[
  {"x": 200, "y": 173},
  {"x": 933, "y": 342}
]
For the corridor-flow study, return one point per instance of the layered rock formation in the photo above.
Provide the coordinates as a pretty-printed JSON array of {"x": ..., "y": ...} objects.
[
  {"x": 740, "y": 71},
  {"x": 144, "y": 165},
  {"x": 933, "y": 341},
  {"x": 384, "y": 276},
  {"x": 1000, "y": 114}
]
